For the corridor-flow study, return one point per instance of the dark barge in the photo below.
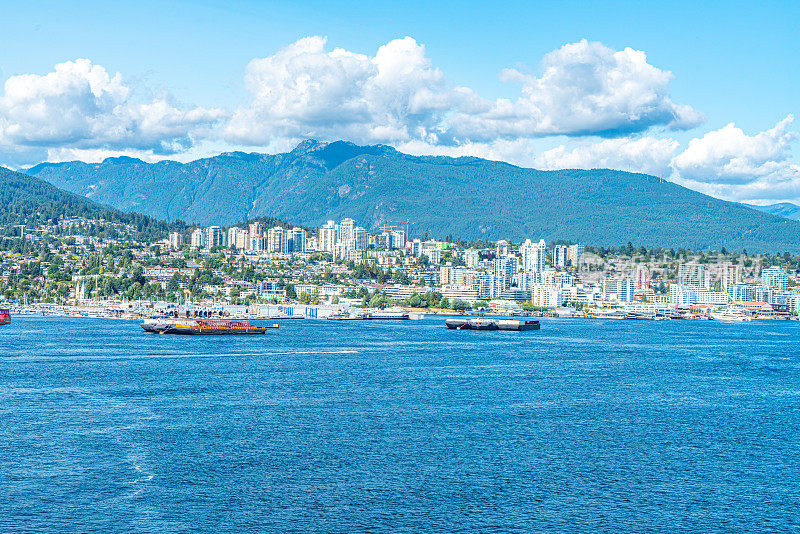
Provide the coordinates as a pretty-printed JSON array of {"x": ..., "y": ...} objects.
[{"x": 515, "y": 325}]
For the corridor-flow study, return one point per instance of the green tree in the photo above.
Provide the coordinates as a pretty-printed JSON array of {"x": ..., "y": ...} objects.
[
  {"x": 460, "y": 305},
  {"x": 291, "y": 294}
]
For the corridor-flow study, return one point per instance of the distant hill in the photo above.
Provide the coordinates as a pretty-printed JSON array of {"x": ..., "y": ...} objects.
[
  {"x": 784, "y": 209},
  {"x": 26, "y": 199},
  {"x": 467, "y": 197}
]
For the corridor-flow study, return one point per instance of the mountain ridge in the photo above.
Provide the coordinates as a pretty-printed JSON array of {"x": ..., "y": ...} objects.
[
  {"x": 467, "y": 197},
  {"x": 781, "y": 209}
]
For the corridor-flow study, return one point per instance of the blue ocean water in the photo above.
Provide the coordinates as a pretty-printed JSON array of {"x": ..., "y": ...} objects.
[{"x": 583, "y": 426}]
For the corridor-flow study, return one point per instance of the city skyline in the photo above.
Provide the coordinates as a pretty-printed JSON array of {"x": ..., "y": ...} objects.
[{"x": 587, "y": 94}]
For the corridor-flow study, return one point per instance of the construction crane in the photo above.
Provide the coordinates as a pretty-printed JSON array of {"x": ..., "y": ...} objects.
[{"x": 407, "y": 222}]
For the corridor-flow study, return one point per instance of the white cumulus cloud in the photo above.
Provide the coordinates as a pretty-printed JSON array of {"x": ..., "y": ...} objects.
[
  {"x": 728, "y": 155},
  {"x": 730, "y": 164},
  {"x": 398, "y": 96},
  {"x": 81, "y": 106},
  {"x": 586, "y": 88},
  {"x": 306, "y": 91}
]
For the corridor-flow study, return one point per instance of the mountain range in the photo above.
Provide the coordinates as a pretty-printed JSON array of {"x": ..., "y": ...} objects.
[{"x": 467, "y": 197}]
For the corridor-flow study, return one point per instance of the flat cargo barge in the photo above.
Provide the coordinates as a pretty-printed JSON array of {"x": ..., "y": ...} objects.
[
  {"x": 515, "y": 325},
  {"x": 203, "y": 327}
]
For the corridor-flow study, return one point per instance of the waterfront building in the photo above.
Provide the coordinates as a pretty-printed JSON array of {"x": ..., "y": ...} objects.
[
  {"x": 748, "y": 292},
  {"x": 775, "y": 278},
  {"x": 268, "y": 289},
  {"x": 617, "y": 289},
  {"x": 515, "y": 293},
  {"x": 682, "y": 295},
  {"x": 793, "y": 302},
  {"x": 465, "y": 293},
  {"x": 545, "y": 295}
]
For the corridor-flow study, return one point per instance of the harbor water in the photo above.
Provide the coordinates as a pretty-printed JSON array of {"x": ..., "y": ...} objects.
[{"x": 352, "y": 426}]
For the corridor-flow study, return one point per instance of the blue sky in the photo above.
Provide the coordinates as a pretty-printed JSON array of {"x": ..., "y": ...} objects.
[{"x": 731, "y": 62}]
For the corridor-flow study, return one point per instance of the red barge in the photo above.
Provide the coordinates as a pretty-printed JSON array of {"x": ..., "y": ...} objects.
[{"x": 202, "y": 327}]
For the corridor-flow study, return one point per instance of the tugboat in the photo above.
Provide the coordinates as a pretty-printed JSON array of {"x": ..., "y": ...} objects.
[
  {"x": 202, "y": 327},
  {"x": 5, "y": 316}
]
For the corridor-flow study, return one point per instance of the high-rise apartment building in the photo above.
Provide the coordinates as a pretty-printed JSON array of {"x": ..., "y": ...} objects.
[
  {"x": 560, "y": 256},
  {"x": 575, "y": 255},
  {"x": 255, "y": 238},
  {"x": 297, "y": 240},
  {"x": 175, "y": 240},
  {"x": 502, "y": 275},
  {"x": 360, "y": 238},
  {"x": 501, "y": 248},
  {"x": 216, "y": 237},
  {"x": 345, "y": 233},
  {"x": 694, "y": 275},
  {"x": 534, "y": 256},
  {"x": 472, "y": 258},
  {"x": 730, "y": 275},
  {"x": 199, "y": 236},
  {"x": 775, "y": 278},
  {"x": 327, "y": 236}
]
